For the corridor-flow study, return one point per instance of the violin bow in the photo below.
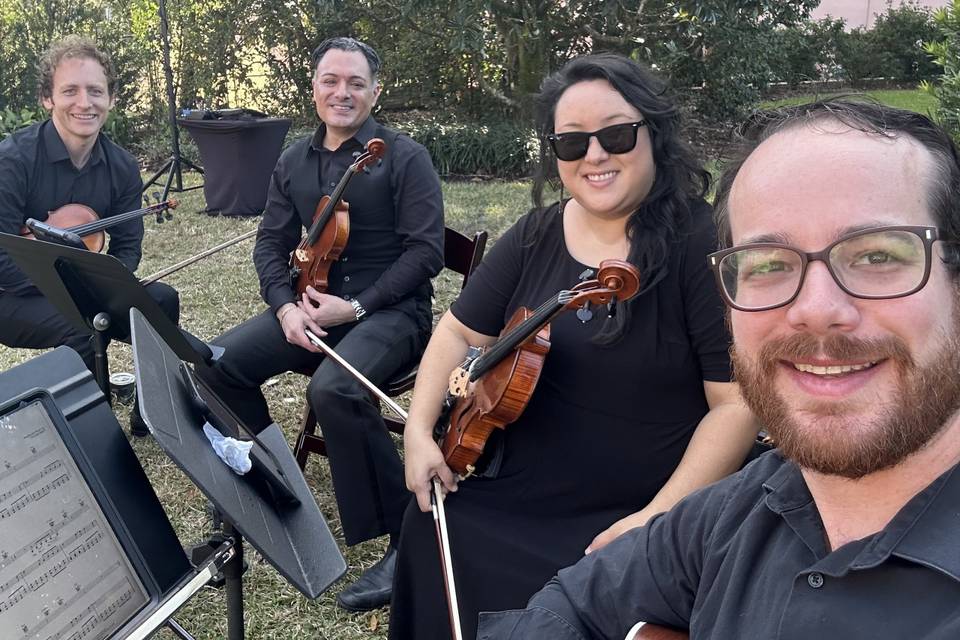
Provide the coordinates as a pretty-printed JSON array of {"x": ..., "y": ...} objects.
[
  {"x": 436, "y": 493},
  {"x": 163, "y": 273}
]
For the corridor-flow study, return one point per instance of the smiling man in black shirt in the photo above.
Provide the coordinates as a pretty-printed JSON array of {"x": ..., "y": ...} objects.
[
  {"x": 68, "y": 159},
  {"x": 843, "y": 278},
  {"x": 376, "y": 311}
]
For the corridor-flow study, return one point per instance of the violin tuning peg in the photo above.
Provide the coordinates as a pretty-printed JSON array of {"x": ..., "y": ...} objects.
[
  {"x": 146, "y": 200},
  {"x": 612, "y": 308},
  {"x": 156, "y": 196},
  {"x": 584, "y": 314},
  {"x": 366, "y": 170}
]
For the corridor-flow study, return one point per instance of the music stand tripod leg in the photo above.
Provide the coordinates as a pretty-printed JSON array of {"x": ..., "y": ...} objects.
[
  {"x": 193, "y": 166},
  {"x": 174, "y": 169},
  {"x": 101, "y": 323},
  {"x": 156, "y": 176},
  {"x": 177, "y": 630},
  {"x": 233, "y": 575}
]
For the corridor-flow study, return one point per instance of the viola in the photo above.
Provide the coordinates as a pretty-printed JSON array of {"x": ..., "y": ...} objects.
[
  {"x": 493, "y": 386},
  {"x": 84, "y": 223},
  {"x": 327, "y": 237}
]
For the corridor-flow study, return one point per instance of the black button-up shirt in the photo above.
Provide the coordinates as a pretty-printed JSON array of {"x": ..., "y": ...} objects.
[
  {"x": 396, "y": 219},
  {"x": 748, "y": 558},
  {"x": 37, "y": 176}
]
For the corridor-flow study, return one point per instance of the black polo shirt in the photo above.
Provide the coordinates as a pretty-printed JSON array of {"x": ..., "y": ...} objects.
[
  {"x": 747, "y": 558},
  {"x": 396, "y": 219},
  {"x": 37, "y": 176}
]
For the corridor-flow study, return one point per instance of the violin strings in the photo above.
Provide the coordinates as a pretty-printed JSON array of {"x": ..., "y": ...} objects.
[
  {"x": 506, "y": 344},
  {"x": 92, "y": 227}
]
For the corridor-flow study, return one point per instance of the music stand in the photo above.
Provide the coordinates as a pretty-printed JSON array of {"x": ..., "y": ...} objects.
[
  {"x": 86, "y": 547},
  {"x": 95, "y": 292},
  {"x": 286, "y": 527},
  {"x": 172, "y": 165}
]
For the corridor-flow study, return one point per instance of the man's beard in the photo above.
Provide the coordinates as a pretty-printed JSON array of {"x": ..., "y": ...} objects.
[{"x": 924, "y": 401}]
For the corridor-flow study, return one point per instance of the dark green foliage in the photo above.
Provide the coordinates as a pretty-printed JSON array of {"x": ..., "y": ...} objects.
[
  {"x": 893, "y": 48},
  {"x": 13, "y": 119},
  {"x": 946, "y": 52},
  {"x": 807, "y": 51},
  {"x": 470, "y": 60},
  {"x": 898, "y": 36},
  {"x": 724, "y": 49},
  {"x": 858, "y": 56},
  {"x": 497, "y": 149}
]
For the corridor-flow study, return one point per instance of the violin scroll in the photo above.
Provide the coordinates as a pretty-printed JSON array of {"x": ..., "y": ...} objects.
[
  {"x": 376, "y": 147},
  {"x": 373, "y": 152},
  {"x": 616, "y": 280},
  {"x": 620, "y": 277}
]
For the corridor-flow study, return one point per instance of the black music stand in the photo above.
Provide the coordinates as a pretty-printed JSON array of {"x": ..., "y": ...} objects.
[
  {"x": 271, "y": 506},
  {"x": 95, "y": 292},
  {"x": 87, "y": 548},
  {"x": 172, "y": 165}
]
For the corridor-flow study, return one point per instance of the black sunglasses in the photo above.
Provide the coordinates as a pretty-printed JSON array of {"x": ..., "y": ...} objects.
[{"x": 617, "y": 138}]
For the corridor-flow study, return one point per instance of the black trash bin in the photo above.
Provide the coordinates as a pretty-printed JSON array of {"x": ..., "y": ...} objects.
[{"x": 238, "y": 152}]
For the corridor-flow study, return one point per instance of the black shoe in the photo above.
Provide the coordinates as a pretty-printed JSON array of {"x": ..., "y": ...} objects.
[
  {"x": 372, "y": 589},
  {"x": 138, "y": 428}
]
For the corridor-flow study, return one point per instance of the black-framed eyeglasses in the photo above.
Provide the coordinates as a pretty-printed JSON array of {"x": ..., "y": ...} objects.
[
  {"x": 874, "y": 264},
  {"x": 617, "y": 138}
]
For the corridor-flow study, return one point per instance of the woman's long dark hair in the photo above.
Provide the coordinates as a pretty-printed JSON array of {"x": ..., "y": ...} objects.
[{"x": 680, "y": 179}]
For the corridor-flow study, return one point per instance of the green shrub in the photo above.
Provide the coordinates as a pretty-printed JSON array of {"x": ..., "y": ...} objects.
[
  {"x": 500, "y": 149},
  {"x": 893, "y": 48},
  {"x": 859, "y": 57},
  {"x": 806, "y": 51},
  {"x": 899, "y": 34},
  {"x": 13, "y": 119},
  {"x": 946, "y": 52}
]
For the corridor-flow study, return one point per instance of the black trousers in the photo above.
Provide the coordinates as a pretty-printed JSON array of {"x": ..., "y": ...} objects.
[
  {"x": 364, "y": 463},
  {"x": 32, "y": 322}
]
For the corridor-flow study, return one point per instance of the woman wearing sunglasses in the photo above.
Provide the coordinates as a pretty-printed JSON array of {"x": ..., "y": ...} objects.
[{"x": 632, "y": 412}]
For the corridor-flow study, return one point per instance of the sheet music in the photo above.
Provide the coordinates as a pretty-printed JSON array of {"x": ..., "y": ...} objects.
[{"x": 63, "y": 573}]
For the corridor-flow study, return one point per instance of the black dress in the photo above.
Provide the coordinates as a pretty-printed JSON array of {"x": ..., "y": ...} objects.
[{"x": 603, "y": 432}]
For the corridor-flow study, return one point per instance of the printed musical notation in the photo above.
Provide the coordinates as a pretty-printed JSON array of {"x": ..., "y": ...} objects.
[{"x": 63, "y": 573}]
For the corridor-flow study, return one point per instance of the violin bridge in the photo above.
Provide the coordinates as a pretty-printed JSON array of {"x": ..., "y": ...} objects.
[{"x": 459, "y": 381}]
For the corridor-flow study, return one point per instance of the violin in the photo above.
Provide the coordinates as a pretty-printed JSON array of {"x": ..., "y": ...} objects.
[
  {"x": 493, "y": 386},
  {"x": 327, "y": 237},
  {"x": 80, "y": 221}
]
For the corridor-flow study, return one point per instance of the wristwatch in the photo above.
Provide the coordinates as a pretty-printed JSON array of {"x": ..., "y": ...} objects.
[{"x": 358, "y": 308}]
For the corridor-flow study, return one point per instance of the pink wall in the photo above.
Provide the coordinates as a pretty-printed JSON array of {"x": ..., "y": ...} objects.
[{"x": 858, "y": 13}]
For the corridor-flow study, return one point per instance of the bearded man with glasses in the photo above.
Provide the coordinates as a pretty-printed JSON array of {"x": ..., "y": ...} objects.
[{"x": 842, "y": 274}]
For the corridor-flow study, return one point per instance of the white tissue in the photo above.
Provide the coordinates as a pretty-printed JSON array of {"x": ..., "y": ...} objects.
[{"x": 234, "y": 453}]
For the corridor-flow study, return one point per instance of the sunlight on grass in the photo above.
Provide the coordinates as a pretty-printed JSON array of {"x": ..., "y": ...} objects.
[{"x": 910, "y": 99}]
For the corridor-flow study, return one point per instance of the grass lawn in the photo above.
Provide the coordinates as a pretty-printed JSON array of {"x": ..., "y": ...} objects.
[
  {"x": 216, "y": 294},
  {"x": 912, "y": 99}
]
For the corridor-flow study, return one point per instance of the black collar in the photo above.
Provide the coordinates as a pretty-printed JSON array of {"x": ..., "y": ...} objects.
[
  {"x": 360, "y": 139},
  {"x": 57, "y": 151},
  {"x": 924, "y": 531}
]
